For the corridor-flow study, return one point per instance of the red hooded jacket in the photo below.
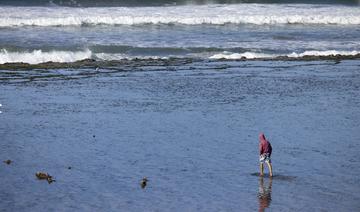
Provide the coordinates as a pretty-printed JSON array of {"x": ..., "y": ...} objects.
[{"x": 264, "y": 145}]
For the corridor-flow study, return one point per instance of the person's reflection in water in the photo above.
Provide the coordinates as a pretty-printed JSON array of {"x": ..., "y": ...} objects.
[{"x": 264, "y": 194}]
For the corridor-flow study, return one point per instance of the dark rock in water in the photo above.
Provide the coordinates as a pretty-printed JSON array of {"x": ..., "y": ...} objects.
[
  {"x": 7, "y": 162},
  {"x": 91, "y": 63},
  {"x": 44, "y": 176},
  {"x": 50, "y": 180},
  {"x": 137, "y": 62},
  {"x": 143, "y": 182},
  {"x": 69, "y": 167},
  {"x": 93, "y": 136}
]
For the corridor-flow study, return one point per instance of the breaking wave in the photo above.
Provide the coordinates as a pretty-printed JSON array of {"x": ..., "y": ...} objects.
[
  {"x": 119, "y": 56},
  {"x": 252, "y": 55},
  {"x": 246, "y": 55},
  {"x": 324, "y": 53},
  {"x": 39, "y": 56},
  {"x": 258, "y": 14}
]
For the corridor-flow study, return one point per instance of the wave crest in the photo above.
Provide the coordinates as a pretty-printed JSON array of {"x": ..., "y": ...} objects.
[
  {"x": 38, "y": 56},
  {"x": 252, "y": 55},
  {"x": 189, "y": 15}
]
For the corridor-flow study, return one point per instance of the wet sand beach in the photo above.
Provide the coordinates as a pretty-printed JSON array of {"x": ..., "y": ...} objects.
[{"x": 191, "y": 129}]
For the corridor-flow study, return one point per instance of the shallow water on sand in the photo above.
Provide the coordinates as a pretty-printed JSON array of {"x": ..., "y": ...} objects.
[{"x": 191, "y": 130}]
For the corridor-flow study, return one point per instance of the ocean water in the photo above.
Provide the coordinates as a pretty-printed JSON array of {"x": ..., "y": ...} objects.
[
  {"x": 39, "y": 34},
  {"x": 102, "y": 94}
]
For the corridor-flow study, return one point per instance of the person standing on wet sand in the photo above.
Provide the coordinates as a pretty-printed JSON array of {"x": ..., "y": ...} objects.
[{"x": 265, "y": 154}]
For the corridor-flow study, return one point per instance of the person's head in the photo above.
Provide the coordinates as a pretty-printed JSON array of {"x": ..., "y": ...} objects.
[{"x": 262, "y": 137}]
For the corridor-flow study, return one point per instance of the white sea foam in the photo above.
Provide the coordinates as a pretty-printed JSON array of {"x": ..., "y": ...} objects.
[
  {"x": 117, "y": 56},
  {"x": 189, "y": 15},
  {"x": 246, "y": 55},
  {"x": 251, "y": 55},
  {"x": 109, "y": 57},
  {"x": 38, "y": 56},
  {"x": 324, "y": 53}
]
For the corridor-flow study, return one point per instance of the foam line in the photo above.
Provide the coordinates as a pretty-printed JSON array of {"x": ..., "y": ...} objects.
[
  {"x": 38, "y": 56},
  {"x": 189, "y": 15},
  {"x": 252, "y": 55}
]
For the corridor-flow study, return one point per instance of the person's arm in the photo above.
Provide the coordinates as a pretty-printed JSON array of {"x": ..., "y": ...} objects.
[{"x": 261, "y": 148}]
